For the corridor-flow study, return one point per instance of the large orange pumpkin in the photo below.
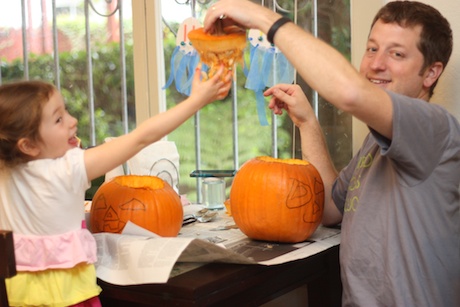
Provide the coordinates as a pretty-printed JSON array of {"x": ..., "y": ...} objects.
[
  {"x": 278, "y": 200},
  {"x": 147, "y": 201},
  {"x": 224, "y": 47}
]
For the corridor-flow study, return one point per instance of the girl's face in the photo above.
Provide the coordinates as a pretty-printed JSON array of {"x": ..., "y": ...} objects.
[{"x": 58, "y": 129}]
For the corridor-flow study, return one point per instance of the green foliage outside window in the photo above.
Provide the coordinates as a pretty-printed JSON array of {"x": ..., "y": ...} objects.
[{"x": 215, "y": 119}]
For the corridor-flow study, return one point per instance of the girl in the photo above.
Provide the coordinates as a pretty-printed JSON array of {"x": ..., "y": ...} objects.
[{"x": 43, "y": 178}]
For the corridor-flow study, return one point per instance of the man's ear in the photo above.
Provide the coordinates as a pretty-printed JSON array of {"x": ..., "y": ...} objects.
[
  {"x": 28, "y": 147},
  {"x": 432, "y": 74}
]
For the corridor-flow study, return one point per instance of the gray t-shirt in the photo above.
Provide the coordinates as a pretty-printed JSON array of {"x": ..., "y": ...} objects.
[{"x": 400, "y": 243}]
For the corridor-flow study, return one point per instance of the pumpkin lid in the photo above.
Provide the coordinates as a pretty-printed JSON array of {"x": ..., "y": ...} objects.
[{"x": 233, "y": 38}]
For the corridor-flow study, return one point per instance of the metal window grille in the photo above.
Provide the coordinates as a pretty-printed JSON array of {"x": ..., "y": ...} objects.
[{"x": 38, "y": 32}]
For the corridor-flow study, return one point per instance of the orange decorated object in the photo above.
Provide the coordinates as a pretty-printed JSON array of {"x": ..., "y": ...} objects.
[
  {"x": 146, "y": 201},
  {"x": 277, "y": 200},
  {"x": 225, "y": 47}
]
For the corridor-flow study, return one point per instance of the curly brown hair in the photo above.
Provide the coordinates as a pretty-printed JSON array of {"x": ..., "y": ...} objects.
[{"x": 21, "y": 105}]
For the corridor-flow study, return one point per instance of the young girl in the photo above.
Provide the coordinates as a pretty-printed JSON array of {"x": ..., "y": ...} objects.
[{"x": 43, "y": 178}]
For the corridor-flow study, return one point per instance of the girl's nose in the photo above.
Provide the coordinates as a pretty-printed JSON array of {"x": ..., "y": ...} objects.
[{"x": 73, "y": 121}]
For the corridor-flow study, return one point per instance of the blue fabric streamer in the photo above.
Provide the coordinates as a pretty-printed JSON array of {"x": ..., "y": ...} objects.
[
  {"x": 264, "y": 73},
  {"x": 171, "y": 74},
  {"x": 182, "y": 70},
  {"x": 261, "y": 108},
  {"x": 256, "y": 83},
  {"x": 184, "y": 73}
]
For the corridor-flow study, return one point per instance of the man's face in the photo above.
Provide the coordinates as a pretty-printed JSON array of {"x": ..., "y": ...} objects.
[{"x": 393, "y": 61}]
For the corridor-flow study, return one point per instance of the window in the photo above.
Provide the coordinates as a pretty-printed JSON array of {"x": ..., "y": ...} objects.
[
  {"x": 47, "y": 40},
  {"x": 110, "y": 90},
  {"x": 227, "y": 133}
]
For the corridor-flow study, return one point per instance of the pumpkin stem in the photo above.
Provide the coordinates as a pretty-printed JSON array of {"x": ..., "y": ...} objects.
[{"x": 219, "y": 28}]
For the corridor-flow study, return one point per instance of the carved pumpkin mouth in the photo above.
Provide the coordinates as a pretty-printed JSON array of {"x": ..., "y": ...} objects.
[{"x": 225, "y": 48}]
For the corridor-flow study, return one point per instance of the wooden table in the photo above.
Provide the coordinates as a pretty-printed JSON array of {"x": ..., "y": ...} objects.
[{"x": 218, "y": 284}]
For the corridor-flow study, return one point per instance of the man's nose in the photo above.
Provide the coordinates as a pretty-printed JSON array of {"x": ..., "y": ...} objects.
[{"x": 378, "y": 61}]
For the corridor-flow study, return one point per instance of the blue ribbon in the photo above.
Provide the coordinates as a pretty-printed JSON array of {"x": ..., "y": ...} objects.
[
  {"x": 262, "y": 74},
  {"x": 183, "y": 74}
]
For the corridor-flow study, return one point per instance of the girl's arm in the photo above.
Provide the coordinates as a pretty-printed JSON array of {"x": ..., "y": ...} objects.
[{"x": 103, "y": 158}]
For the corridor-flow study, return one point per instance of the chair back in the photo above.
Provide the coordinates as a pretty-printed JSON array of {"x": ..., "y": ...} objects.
[{"x": 7, "y": 263}]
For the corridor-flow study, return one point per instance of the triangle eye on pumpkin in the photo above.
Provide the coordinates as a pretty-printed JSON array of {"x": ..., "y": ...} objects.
[
  {"x": 99, "y": 203},
  {"x": 133, "y": 205}
]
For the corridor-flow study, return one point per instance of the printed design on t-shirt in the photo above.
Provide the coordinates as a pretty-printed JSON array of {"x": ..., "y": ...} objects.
[
  {"x": 114, "y": 221},
  {"x": 301, "y": 195},
  {"x": 352, "y": 201}
]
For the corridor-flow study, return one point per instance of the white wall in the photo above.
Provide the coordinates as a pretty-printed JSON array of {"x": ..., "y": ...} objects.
[{"x": 447, "y": 92}]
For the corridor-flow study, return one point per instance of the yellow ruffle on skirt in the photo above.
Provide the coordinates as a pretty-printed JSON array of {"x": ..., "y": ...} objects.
[{"x": 53, "y": 288}]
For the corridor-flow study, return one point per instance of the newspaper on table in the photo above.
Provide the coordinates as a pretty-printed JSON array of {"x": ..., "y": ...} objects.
[{"x": 138, "y": 256}]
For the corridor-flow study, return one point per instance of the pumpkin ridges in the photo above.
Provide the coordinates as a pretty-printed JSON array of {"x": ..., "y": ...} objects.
[
  {"x": 204, "y": 42},
  {"x": 288, "y": 188},
  {"x": 147, "y": 201},
  {"x": 171, "y": 219}
]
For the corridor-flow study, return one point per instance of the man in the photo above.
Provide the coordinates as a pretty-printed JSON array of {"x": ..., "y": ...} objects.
[{"x": 398, "y": 199}]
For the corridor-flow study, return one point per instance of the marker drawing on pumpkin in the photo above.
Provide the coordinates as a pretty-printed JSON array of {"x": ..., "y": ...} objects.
[
  {"x": 147, "y": 201},
  {"x": 289, "y": 213},
  {"x": 111, "y": 222},
  {"x": 300, "y": 194}
]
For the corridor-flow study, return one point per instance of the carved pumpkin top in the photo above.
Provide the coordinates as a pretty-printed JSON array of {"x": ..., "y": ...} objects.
[
  {"x": 287, "y": 161},
  {"x": 231, "y": 38},
  {"x": 140, "y": 182},
  {"x": 225, "y": 48}
]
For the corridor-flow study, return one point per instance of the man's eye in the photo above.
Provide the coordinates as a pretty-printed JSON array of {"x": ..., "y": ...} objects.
[
  {"x": 398, "y": 54},
  {"x": 372, "y": 49}
]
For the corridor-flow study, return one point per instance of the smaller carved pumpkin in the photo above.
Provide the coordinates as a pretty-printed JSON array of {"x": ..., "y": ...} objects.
[
  {"x": 226, "y": 47},
  {"x": 147, "y": 201},
  {"x": 278, "y": 200}
]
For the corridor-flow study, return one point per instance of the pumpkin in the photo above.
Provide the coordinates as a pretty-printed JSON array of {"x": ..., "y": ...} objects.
[
  {"x": 147, "y": 201},
  {"x": 225, "y": 47},
  {"x": 278, "y": 200}
]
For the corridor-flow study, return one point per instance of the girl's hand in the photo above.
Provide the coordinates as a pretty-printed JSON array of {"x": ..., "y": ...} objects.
[{"x": 215, "y": 88}]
